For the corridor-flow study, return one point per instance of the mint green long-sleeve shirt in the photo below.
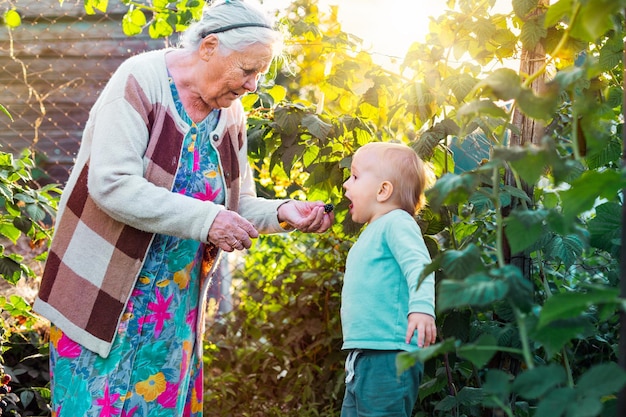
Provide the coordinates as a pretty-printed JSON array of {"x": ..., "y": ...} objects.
[{"x": 379, "y": 289}]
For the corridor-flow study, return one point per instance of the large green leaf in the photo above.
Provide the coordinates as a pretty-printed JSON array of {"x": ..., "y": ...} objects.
[
  {"x": 595, "y": 19},
  {"x": 533, "y": 30},
  {"x": 571, "y": 304},
  {"x": 587, "y": 189},
  {"x": 567, "y": 249},
  {"x": 316, "y": 126},
  {"x": 520, "y": 290},
  {"x": 540, "y": 107},
  {"x": 451, "y": 189},
  {"x": 524, "y": 228},
  {"x": 606, "y": 226},
  {"x": 458, "y": 264},
  {"x": 537, "y": 382},
  {"x": 557, "y": 12},
  {"x": 558, "y": 333},
  {"x": 504, "y": 83},
  {"x": 602, "y": 380},
  {"x": 555, "y": 402},
  {"x": 476, "y": 290}
]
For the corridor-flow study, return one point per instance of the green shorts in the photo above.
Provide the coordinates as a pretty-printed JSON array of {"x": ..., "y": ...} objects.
[{"x": 374, "y": 388}]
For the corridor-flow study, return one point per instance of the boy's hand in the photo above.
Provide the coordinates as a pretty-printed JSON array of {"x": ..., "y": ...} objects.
[{"x": 426, "y": 329}]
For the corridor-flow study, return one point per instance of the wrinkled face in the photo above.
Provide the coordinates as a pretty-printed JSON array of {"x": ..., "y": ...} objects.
[
  {"x": 229, "y": 77},
  {"x": 363, "y": 185}
]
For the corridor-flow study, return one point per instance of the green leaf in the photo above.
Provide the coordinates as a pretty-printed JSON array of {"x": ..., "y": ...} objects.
[
  {"x": 460, "y": 85},
  {"x": 92, "y": 5},
  {"x": 458, "y": 264},
  {"x": 533, "y": 31},
  {"x": 278, "y": 93},
  {"x": 9, "y": 231},
  {"x": 585, "y": 190},
  {"x": 451, "y": 189},
  {"x": 406, "y": 360},
  {"x": 523, "y": 7},
  {"x": 133, "y": 22},
  {"x": 497, "y": 382},
  {"x": 520, "y": 290},
  {"x": 584, "y": 407},
  {"x": 504, "y": 83},
  {"x": 555, "y": 403},
  {"x": 287, "y": 120},
  {"x": 537, "y": 382},
  {"x": 481, "y": 352},
  {"x": 567, "y": 248},
  {"x": 160, "y": 27},
  {"x": 602, "y": 380},
  {"x": 10, "y": 270},
  {"x": 557, "y": 12},
  {"x": 11, "y": 19},
  {"x": 606, "y": 226},
  {"x": 482, "y": 108},
  {"x": 476, "y": 290},
  {"x": 560, "y": 332},
  {"x": 316, "y": 126},
  {"x": 571, "y": 304},
  {"x": 540, "y": 107},
  {"x": 23, "y": 224},
  {"x": 595, "y": 19},
  {"x": 5, "y": 111}
]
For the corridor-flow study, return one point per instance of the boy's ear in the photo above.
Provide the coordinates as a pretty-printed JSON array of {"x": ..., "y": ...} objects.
[{"x": 384, "y": 191}]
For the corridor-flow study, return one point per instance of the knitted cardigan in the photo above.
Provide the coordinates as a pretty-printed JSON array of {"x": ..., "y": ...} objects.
[{"x": 119, "y": 195}]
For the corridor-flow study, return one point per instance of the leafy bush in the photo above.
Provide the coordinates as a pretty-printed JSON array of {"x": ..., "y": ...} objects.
[
  {"x": 279, "y": 351},
  {"x": 25, "y": 215}
]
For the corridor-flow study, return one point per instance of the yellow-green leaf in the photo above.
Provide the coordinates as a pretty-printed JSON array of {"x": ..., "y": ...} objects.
[{"x": 12, "y": 18}]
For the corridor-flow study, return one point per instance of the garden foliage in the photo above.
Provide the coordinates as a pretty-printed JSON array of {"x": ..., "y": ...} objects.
[{"x": 527, "y": 270}]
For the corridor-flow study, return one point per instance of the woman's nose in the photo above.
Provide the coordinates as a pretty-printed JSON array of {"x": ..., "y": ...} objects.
[{"x": 251, "y": 83}]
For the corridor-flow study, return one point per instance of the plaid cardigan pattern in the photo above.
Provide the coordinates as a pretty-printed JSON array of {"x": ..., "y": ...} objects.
[{"x": 95, "y": 257}]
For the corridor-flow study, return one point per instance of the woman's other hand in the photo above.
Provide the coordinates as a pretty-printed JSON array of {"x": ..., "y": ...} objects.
[{"x": 230, "y": 231}]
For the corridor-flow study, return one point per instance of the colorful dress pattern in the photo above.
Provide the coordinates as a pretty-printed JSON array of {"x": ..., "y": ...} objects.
[{"x": 153, "y": 369}]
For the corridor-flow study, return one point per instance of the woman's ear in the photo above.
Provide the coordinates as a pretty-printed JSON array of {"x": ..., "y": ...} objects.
[
  {"x": 385, "y": 190},
  {"x": 208, "y": 46}
]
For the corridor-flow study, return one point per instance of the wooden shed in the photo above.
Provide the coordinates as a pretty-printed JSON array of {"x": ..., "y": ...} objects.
[{"x": 52, "y": 69}]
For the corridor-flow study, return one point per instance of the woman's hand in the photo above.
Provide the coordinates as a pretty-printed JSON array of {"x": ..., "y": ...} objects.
[
  {"x": 306, "y": 216},
  {"x": 230, "y": 231}
]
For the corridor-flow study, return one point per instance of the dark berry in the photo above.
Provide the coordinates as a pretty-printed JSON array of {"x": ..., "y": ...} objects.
[{"x": 328, "y": 207}]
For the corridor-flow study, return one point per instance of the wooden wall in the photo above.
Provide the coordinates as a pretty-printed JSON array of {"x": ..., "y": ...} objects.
[{"x": 52, "y": 69}]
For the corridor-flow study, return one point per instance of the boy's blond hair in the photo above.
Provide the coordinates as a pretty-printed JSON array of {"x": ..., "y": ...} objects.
[{"x": 400, "y": 165}]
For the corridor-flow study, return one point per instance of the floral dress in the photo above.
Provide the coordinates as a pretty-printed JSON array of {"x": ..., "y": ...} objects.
[{"x": 153, "y": 368}]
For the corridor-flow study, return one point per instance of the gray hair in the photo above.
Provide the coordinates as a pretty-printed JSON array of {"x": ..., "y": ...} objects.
[{"x": 221, "y": 14}]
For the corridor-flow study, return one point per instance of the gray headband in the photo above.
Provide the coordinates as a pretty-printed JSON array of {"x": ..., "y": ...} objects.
[{"x": 235, "y": 26}]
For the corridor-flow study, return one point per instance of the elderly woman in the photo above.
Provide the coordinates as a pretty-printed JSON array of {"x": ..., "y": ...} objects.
[{"x": 161, "y": 185}]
